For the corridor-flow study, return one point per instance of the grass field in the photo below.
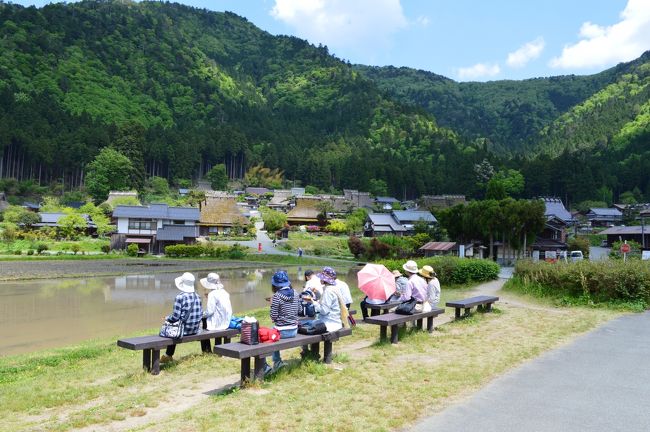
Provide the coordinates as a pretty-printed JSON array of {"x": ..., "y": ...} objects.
[{"x": 371, "y": 386}]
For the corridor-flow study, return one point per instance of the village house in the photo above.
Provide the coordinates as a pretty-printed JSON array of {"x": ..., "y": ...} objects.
[
  {"x": 448, "y": 248},
  {"x": 51, "y": 219},
  {"x": 603, "y": 217},
  {"x": 358, "y": 199},
  {"x": 305, "y": 212},
  {"x": 408, "y": 218},
  {"x": 220, "y": 215},
  {"x": 440, "y": 201},
  {"x": 637, "y": 233},
  {"x": 155, "y": 226},
  {"x": 379, "y": 224},
  {"x": 386, "y": 203}
]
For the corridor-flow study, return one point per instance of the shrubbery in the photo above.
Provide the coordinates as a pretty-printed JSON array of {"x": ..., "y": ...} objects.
[
  {"x": 235, "y": 251},
  {"x": 602, "y": 281},
  {"x": 453, "y": 270},
  {"x": 132, "y": 250}
]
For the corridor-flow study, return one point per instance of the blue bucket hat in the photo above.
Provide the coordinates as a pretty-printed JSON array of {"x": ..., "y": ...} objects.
[{"x": 280, "y": 279}]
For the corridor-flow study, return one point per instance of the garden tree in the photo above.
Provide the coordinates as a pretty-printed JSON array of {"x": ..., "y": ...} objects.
[
  {"x": 157, "y": 186},
  {"x": 18, "y": 215},
  {"x": 196, "y": 198},
  {"x": 273, "y": 220},
  {"x": 510, "y": 180},
  {"x": 627, "y": 197},
  {"x": 324, "y": 207},
  {"x": 259, "y": 176},
  {"x": 356, "y": 220},
  {"x": 490, "y": 221},
  {"x": 28, "y": 219},
  {"x": 356, "y": 246},
  {"x": 72, "y": 225},
  {"x": 110, "y": 170},
  {"x": 582, "y": 244},
  {"x": 378, "y": 187},
  {"x": 51, "y": 204},
  {"x": 98, "y": 217},
  {"x": 218, "y": 177}
]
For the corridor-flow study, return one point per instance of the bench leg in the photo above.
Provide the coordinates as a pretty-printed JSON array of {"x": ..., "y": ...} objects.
[
  {"x": 245, "y": 371},
  {"x": 155, "y": 362},
  {"x": 419, "y": 324},
  {"x": 260, "y": 362},
  {"x": 430, "y": 324},
  {"x": 467, "y": 311},
  {"x": 146, "y": 359},
  {"x": 206, "y": 346},
  {"x": 217, "y": 341},
  {"x": 315, "y": 350},
  {"x": 327, "y": 352},
  {"x": 488, "y": 307},
  {"x": 382, "y": 333},
  {"x": 374, "y": 312},
  {"x": 457, "y": 314},
  {"x": 394, "y": 333}
]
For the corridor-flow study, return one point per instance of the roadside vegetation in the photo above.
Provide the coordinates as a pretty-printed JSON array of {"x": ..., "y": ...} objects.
[{"x": 611, "y": 283}]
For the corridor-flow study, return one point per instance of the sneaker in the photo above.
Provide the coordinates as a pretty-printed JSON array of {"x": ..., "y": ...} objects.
[
  {"x": 267, "y": 370},
  {"x": 279, "y": 365},
  {"x": 166, "y": 359}
]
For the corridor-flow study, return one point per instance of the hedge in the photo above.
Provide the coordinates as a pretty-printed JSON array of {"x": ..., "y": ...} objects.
[
  {"x": 235, "y": 251},
  {"x": 453, "y": 270},
  {"x": 599, "y": 281}
]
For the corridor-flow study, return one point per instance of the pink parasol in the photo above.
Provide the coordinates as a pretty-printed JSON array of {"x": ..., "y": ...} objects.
[{"x": 376, "y": 281}]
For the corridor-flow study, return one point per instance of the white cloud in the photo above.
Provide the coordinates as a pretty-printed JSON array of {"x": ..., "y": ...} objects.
[
  {"x": 607, "y": 45},
  {"x": 364, "y": 26},
  {"x": 422, "y": 20},
  {"x": 526, "y": 53},
  {"x": 479, "y": 70}
]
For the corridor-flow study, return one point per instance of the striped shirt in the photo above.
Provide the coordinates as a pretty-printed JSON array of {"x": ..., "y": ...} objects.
[
  {"x": 285, "y": 305},
  {"x": 187, "y": 308}
]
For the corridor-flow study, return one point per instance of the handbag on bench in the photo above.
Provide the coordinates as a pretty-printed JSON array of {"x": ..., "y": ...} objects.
[
  {"x": 172, "y": 330},
  {"x": 407, "y": 307}
]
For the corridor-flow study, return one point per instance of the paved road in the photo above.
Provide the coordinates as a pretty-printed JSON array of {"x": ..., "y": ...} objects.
[{"x": 600, "y": 382}]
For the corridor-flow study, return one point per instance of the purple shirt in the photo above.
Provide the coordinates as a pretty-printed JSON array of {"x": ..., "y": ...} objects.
[{"x": 418, "y": 287}]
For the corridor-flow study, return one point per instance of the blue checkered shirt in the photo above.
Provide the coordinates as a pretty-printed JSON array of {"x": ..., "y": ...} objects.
[{"x": 187, "y": 308}]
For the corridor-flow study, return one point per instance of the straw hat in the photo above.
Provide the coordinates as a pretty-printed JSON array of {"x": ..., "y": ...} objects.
[
  {"x": 410, "y": 266},
  {"x": 397, "y": 273},
  {"x": 185, "y": 282},
  {"x": 427, "y": 272},
  {"x": 212, "y": 282}
]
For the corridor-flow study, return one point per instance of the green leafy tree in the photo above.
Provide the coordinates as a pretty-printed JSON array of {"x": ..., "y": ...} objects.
[
  {"x": 157, "y": 186},
  {"x": 72, "y": 225},
  {"x": 378, "y": 187},
  {"x": 218, "y": 177},
  {"x": 273, "y": 220},
  {"x": 110, "y": 170}
]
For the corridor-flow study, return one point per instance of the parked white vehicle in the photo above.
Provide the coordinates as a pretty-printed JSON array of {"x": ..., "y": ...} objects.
[{"x": 576, "y": 256}]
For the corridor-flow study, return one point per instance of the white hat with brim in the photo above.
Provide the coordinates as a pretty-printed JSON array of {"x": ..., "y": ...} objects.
[
  {"x": 212, "y": 282},
  {"x": 185, "y": 282},
  {"x": 410, "y": 266}
]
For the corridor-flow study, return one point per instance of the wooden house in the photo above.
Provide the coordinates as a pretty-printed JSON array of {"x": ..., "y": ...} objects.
[{"x": 220, "y": 215}]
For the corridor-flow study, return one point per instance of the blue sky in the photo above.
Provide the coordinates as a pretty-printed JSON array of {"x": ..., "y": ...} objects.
[{"x": 466, "y": 40}]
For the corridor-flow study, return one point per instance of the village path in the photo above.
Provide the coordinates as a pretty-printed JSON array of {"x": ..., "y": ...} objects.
[{"x": 596, "y": 383}]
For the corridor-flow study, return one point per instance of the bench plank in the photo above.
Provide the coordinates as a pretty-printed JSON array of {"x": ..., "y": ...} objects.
[
  {"x": 151, "y": 345},
  {"x": 393, "y": 321},
  {"x": 258, "y": 352},
  {"x": 468, "y": 303}
]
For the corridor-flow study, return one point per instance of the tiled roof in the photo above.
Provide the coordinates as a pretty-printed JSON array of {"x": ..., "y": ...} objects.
[
  {"x": 635, "y": 229},
  {"x": 222, "y": 212},
  {"x": 257, "y": 190},
  {"x": 438, "y": 246},
  {"x": 157, "y": 211},
  {"x": 52, "y": 219},
  {"x": 404, "y": 216},
  {"x": 599, "y": 211},
  {"x": 384, "y": 219},
  {"x": 555, "y": 207},
  {"x": 177, "y": 232},
  {"x": 389, "y": 200}
]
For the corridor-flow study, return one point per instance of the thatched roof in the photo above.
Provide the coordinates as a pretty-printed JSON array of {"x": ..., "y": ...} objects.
[
  {"x": 304, "y": 211},
  {"x": 221, "y": 211}
]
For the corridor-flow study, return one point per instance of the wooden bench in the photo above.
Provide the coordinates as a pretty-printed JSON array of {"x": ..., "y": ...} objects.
[
  {"x": 393, "y": 321},
  {"x": 260, "y": 351},
  {"x": 377, "y": 309},
  {"x": 151, "y": 345},
  {"x": 484, "y": 302}
]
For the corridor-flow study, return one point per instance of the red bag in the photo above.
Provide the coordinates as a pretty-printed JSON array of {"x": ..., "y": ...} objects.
[{"x": 268, "y": 334}]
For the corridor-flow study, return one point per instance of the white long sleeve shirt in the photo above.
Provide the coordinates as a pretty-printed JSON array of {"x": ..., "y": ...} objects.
[
  {"x": 329, "y": 310},
  {"x": 433, "y": 292},
  {"x": 344, "y": 290},
  {"x": 219, "y": 309}
]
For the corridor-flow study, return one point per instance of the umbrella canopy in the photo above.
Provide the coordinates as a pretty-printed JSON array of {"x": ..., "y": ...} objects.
[{"x": 376, "y": 281}]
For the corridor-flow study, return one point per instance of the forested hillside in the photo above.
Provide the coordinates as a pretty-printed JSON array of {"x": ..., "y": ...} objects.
[{"x": 180, "y": 89}]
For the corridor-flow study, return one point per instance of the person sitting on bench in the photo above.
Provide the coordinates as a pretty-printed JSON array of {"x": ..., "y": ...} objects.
[
  {"x": 218, "y": 310},
  {"x": 187, "y": 309},
  {"x": 285, "y": 304},
  {"x": 433, "y": 288},
  {"x": 417, "y": 284}
]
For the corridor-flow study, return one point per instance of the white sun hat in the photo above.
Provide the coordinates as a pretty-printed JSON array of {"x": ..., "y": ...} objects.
[
  {"x": 410, "y": 266},
  {"x": 185, "y": 282},
  {"x": 213, "y": 281}
]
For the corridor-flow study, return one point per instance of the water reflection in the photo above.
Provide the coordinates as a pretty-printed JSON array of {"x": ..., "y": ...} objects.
[{"x": 51, "y": 313}]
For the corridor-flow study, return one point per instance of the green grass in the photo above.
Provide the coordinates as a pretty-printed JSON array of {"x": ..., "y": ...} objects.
[
  {"x": 86, "y": 244},
  {"x": 96, "y": 384},
  {"x": 321, "y": 245}
]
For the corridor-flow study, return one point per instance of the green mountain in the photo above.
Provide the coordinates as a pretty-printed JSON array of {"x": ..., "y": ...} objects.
[
  {"x": 180, "y": 89},
  {"x": 542, "y": 115}
]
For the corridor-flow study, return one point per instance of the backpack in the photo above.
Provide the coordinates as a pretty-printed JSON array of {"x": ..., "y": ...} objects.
[
  {"x": 313, "y": 327},
  {"x": 307, "y": 309},
  {"x": 267, "y": 334}
]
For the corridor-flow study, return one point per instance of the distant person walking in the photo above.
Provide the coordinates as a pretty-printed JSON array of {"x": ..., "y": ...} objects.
[{"x": 300, "y": 251}]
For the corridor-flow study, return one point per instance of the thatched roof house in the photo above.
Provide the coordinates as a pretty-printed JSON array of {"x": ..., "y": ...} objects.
[
  {"x": 305, "y": 211},
  {"x": 219, "y": 215}
]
